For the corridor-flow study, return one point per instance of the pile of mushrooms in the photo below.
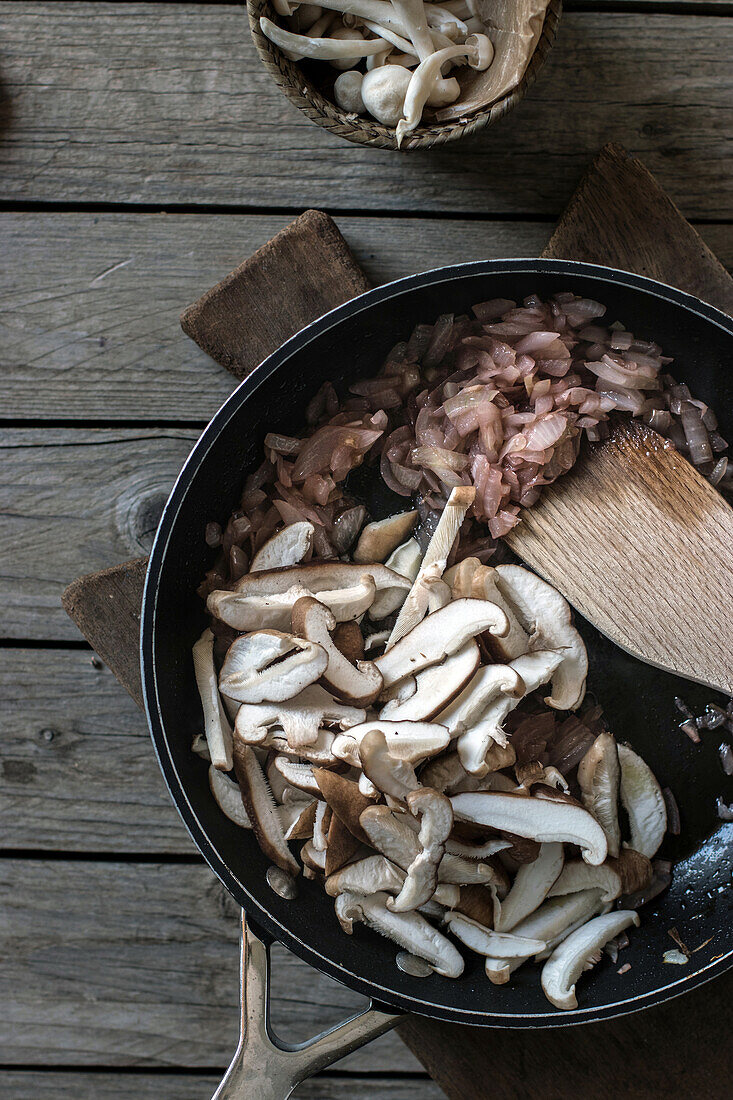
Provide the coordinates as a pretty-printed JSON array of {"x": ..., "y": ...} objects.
[
  {"x": 362, "y": 708},
  {"x": 407, "y": 47}
]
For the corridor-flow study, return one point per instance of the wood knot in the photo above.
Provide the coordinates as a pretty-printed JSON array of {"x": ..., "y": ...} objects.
[{"x": 138, "y": 513}]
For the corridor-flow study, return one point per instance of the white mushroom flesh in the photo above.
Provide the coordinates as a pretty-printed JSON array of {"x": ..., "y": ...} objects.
[
  {"x": 579, "y": 952},
  {"x": 547, "y": 617},
  {"x": 270, "y": 666},
  {"x": 599, "y": 776},
  {"x": 484, "y": 941},
  {"x": 434, "y": 687},
  {"x": 439, "y": 635},
  {"x": 643, "y": 801},
  {"x": 540, "y": 819},
  {"x": 531, "y": 886},
  {"x": 289, "y": 546},
  {"x": 577, "y": 875},
  {"x": 378, "y": 540},
  {"x": 409, "y": 930},
  {"x": 217, "y": 730}
]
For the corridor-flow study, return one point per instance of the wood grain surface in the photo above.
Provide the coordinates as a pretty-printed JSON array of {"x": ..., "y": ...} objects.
[
  {"x": 73, "y": 500},
  {"x": 34, "y": 1085},
  {"x": 637, "y": 227},
  {"x": 144, "y": 153},
  {"x": 273, "y": 293},
  {"x": 167, "y": 103},
  {"x": 90, "y": 302},
  {"x": 616, "y": 534},
  {"x": 121, "y": 963}
]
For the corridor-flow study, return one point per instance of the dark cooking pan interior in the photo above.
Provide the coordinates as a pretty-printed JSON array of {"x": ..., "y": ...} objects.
[{"x": 348, "y": 344}]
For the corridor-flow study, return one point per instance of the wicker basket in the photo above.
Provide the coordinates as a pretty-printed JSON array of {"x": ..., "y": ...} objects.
[{"x": 301, "y": 91}]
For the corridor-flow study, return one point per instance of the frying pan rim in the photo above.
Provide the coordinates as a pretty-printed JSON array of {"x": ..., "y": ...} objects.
[{"x": 272, "y": 926}]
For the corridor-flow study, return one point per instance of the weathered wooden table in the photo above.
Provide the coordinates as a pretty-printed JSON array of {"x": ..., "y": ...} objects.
[{"x": 143, "y": 154}]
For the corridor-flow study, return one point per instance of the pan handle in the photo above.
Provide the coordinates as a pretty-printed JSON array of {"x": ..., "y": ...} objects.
[{"x": 264, "y": 1067}]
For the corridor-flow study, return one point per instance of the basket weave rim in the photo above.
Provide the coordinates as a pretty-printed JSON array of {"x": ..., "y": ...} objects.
[{"x": 301, "y": 91}]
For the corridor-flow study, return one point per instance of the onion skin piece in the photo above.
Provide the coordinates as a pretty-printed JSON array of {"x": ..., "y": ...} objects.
[{"x": 567, "y": 962}]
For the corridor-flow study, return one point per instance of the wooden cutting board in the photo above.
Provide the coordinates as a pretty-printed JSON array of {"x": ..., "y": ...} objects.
[{"x": 620, "y": 217}]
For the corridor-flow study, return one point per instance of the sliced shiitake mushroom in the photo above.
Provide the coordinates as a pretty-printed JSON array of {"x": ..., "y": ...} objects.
[
  {"x": 217, "y": 730},
  {"x": 409, "y": 930},
  {"x": 547, "y": 616},
  {"x": 643, "y": 801},
  {"x": 315, "y": 622},
  {"x": 258, "y": 803},
  {"x": 437, "y": 636},
  {"x": 377, "y": 540},
  {"x": 599, "y": 776},
  {"x": 542, "y": 819},
  {"x": 252, "y": 611},
  {"x": 286, "y": 547},
  {"x": 579, "y": 952},
  {"x": 300, "y": 718},
  {"x": 413, "y": 741},
  {"x": 487, "y": 942},
  {"x": 471, "y": 578},
  {"x": 270, "y": 666},
  {"x": 530, "y": 887},
  {"x": 435, "y": 687}
]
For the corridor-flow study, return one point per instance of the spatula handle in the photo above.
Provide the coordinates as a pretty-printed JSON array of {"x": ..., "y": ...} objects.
[{"x": 264, "y": 1067}]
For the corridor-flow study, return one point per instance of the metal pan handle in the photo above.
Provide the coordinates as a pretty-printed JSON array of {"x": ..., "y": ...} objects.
[{"x": 264, "y": 1067}]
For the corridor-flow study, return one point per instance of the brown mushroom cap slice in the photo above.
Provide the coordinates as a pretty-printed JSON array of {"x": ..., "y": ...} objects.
[
  {"x": 301, "y": 718},
  {"x": 412, "y": 741},
  {"x": 217, "y": 730},
  {"x": 577, "y": 875},
  {"x": 345, "y": 799},
  {"x": 358, "y": 686},
  {"x": 531, "y": 885},
  {"x": 542, "y": 819},
  {"x": 578, "y": 953},
  {"x": 485, "y": 941},
  {"x": 599, "y": 776},
  {"x": 349, "y": 640},
  {"x": 439, "y": 635},
  {"x": 547, "y": 615},
  {"x": 436, "y": 820},
  {"x": 379, "y": 539},
  {"x": 471, "y": 578},
  {"x": 436, "y": 686},
  {"x": 270, "y": 666},
  {"x": 643, "y": 801},
  {"x": 409, "y": 930},
  {"x": 286, "y": 547},
  {"x": 260, "y": 808},
  {"x": 245, "y": 611},
  {"x": 342, "y": 845}
]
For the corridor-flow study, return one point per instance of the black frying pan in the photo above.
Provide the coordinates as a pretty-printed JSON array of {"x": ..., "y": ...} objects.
[{"x": 347, "y": 344}]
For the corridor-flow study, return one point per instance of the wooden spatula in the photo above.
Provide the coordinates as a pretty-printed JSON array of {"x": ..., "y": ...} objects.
[{"x": 642, "y": 546}]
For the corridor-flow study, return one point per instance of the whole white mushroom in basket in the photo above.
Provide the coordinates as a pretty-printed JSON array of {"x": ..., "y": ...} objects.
[{"x": 478, "y": 51}]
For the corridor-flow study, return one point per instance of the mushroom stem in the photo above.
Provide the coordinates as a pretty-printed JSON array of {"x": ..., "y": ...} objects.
[
  {"x": 414, "y": 15},
  {"x": 217, "y": 730},
  {"x": 428, "y": 71},
  {"x": 320, "y": 49}
]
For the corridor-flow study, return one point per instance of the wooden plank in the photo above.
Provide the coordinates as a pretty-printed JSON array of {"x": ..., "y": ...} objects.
[
  {"x": 168, "y": 104},
  {"x": 638, "y": 228},
  {"x": 103, "y": 606},
  {"x": 73, "y": 501},
  {"x": 92, "y": 332},
  {"x": 307, "y": 265},
  {"x": 37, "y": 1085},
  {"x": 636, "y": 1057},
  {"x": 130, "y": 964},
  {"x": 77, "y": 769}
]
